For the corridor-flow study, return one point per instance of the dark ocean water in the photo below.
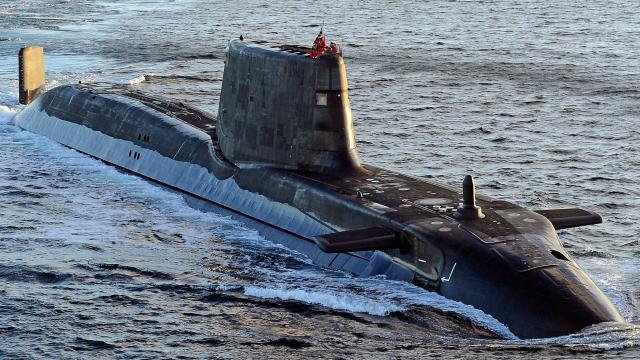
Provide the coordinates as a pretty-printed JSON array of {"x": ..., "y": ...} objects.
[{"x": 539, "y": 100}]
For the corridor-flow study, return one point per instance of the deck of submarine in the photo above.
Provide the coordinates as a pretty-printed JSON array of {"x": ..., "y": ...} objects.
[{"x": 401, "y": 197}]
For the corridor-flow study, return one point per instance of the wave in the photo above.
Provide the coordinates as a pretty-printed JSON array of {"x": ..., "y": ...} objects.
[
  {"x": 289, "y": 342},
  {"x": 200, "y": 57},
  {"x": 82, "y": 344},
  {"x": 119, "y": 299},
  {"x": 23, "y": 273},
  {"x": 345, "y": 301},
  {"x": 599, "y": 337},
  {"x": 378, "y": 297}
]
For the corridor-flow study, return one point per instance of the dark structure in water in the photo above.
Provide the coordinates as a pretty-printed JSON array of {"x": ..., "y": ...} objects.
[{"x": 282, "y": 152}]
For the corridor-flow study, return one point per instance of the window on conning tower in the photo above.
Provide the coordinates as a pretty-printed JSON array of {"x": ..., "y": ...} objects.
[{"x": 321, "y": 98}]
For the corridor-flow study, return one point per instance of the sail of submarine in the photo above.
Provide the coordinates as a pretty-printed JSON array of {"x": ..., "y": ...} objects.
[{"x": 282, "y": 151}]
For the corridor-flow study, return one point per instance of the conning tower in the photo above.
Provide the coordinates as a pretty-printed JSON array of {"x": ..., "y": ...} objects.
[{"x": 286, "y": 110}]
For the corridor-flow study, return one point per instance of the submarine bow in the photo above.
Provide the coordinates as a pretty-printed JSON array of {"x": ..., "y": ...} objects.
[{"x": 282, "y": 153}]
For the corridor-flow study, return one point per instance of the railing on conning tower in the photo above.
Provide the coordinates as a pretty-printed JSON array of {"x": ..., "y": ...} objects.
[{"x": 290, "y": 48}]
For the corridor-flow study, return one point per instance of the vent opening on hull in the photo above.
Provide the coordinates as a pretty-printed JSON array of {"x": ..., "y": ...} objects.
[
  {"x": 136, "y": 155},
  {"x": 144, "y": 138},
  {"x": 558, "y": 255}
]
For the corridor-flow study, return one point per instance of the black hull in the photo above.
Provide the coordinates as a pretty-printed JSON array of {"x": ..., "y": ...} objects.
[
  {"x": 502, "y": 265},
  {"x": 183, "y": 157}
]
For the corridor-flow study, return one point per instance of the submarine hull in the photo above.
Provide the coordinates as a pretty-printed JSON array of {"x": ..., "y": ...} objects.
[
  {"x": 158, "y": 145},
  {"x": 282, "y": 153},
  {"x": 126, "y": 133}
]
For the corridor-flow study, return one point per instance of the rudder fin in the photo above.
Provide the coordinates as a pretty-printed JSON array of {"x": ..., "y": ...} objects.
[{"x": 31, "y": 73}]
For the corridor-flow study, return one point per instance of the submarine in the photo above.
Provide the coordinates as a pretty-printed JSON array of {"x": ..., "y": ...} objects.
[{"x": 282, "y": 152}]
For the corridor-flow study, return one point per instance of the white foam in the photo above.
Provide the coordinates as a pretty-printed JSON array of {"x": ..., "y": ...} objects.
[
  {"x": 375, "y": 296},
  {"x": 7, "y": 114},
  {"x": 476, "y": 316},
  {"x": 616, "y": 279},
  {"x": 139, "y": 79},
  {"x": 228, "y": 287},
  {"x": 344, "y": 301},
  {"x": 382, "y": 304}
]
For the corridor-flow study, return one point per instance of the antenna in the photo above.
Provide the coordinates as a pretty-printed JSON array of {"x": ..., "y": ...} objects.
[{"x": 468, "y": 209}]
